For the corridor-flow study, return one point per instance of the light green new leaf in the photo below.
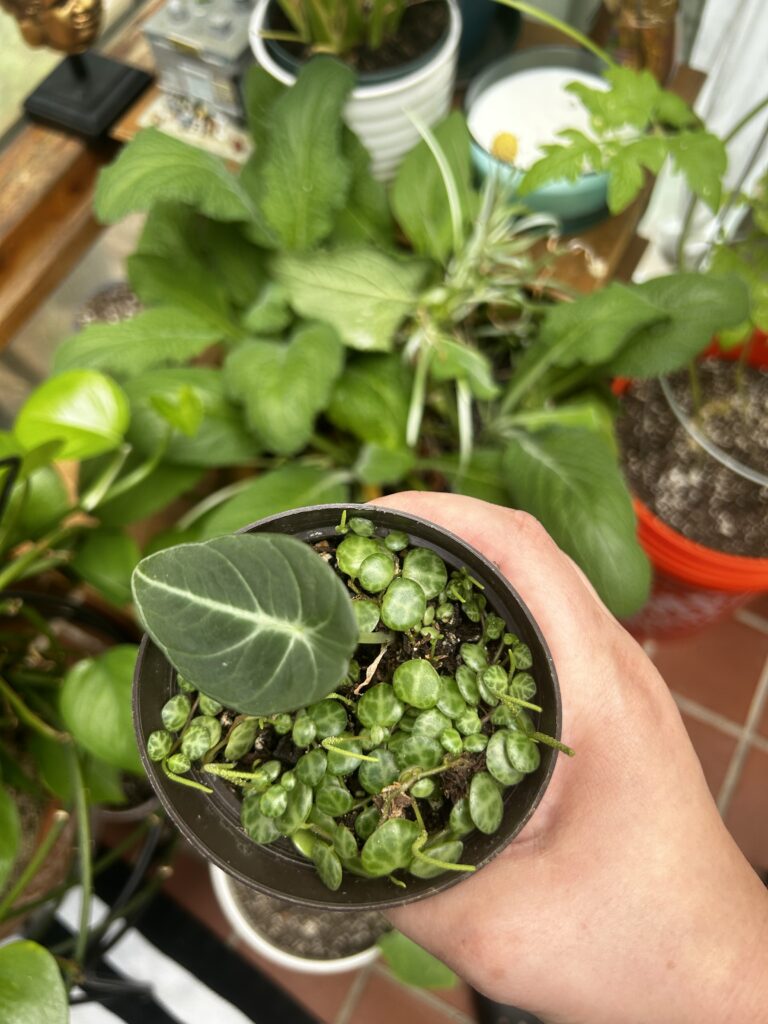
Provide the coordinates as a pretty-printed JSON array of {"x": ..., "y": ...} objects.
[
  {"x": 10, "y": 835},
  {"x": 31, "y": 988},
  {"x": 412, "y": 964},
  {"x": 371, "y": 399},
  {"x": 259, "y": 621},
  {"x": 183, "y": 410},
  {"x": 570, "y": 480},
  {"x": 695, "y": 308},
  {"x": 452, "y": 360},
  {"x": 156, "y": 337},
  {"x": 105, "y": 559},
  {"x": 302, "y": 176},
  {"x": 222, "y": 439},
  {"x": 362, "y": 292},
  {"x": 82, "y": 408},
  {"x": 95, "y": 704},
  {"x": 279, "y": 490},
  {"x": 419, "y": 198},
  {"x": 284, "y": 386},
  {"x": 702, "y": 159},
  {"x": 154, "y": 168}
]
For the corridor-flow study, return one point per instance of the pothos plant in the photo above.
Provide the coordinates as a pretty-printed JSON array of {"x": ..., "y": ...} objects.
[
  {"x": 364, "y": 698},
  {"x": 378, "y": 339}
]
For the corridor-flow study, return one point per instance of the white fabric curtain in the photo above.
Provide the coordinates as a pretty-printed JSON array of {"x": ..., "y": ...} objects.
[{"x": 731, "y": 47}]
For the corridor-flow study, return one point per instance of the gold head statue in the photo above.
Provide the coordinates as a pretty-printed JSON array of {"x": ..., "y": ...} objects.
[{"x": 66, "y": 25}]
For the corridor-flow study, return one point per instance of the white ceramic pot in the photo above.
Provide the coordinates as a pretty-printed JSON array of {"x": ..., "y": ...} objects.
[
  {"x": 379, "y": 114},
  {"x": 222, "y": 886}
]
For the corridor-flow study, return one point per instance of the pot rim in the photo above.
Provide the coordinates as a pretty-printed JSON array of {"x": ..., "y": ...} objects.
[
  {"x": 439, "y": 55},
  {"x": 223, "y": 889},
  {"x": 220, "y": 838}
]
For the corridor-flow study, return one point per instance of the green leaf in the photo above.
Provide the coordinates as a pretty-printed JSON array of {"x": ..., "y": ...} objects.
[
  {"x": 52, "y": 762},
  {"x": 270, "y": 312},
  {"x": 481, "y": 478},
  {"x": 105, "y": 559},
  {"x": 562, "y": 162},
  {"x": 452, "y": 360},
  {"x": 192, "y": 244},
  {"x": 154, "y": 168},
  {"x": 413, "y": 965},
  {"x": 377, "y": 465},
  {"x": 279, "y": 490},
  {"x": 152, "y": 494},
  {"x": 156, "y": 337},
  {"x": 260, "y": 93},
  {"x": 590, "y": 330},
  {"x": 365, "y": 216},
  {"x": 260, "y": 622},
  {"x": 673, "y": 111},
  {"x": 702, "y": 159},
  {"x": 284, "y": 386},
  {"x": 190, "y": 289},
  {"x": 370, "y": 400},
  {"x": 95, "y": 704},
  {"x": 362, "y": 292},
  {"x": 631, "y": 99},
  {"x": 303, "y": 178},
  {"x": 570, "y": 481},
  {"x": 10, "y": 835},
  {"x": 82, "y": 408},
  {"x": 45, "y": 504},
  {"x": 222, "y": 439},
  {"x": 419, "y": 199},
  {"x": 183, "y": 410},
  {"x": 695, "y": 307},
  {"x": 31, "y": 989},
  {"x": 625, "y": 181}
]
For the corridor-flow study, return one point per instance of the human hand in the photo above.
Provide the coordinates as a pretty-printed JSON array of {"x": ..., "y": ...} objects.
[{"x": 624, "y": 900}]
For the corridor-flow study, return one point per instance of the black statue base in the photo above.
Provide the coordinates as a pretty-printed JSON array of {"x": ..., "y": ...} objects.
[{"x": 86, "y": 94}]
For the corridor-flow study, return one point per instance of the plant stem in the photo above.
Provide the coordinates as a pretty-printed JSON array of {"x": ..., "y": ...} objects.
[
  {"x": 185, "y": 782},
  {"x": 695, "y": 383},
  {"x": 29, "y": 717},
  {"x": 332, "y": 743},
  {"x": 84, "y": 854},
  {"x": 17, "y": 569},
  {"x": 568, "y": 30},
  {"x": 35, "y": 862}
]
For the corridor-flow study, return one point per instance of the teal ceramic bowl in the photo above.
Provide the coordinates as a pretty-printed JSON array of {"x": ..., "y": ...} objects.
[{"x": 570, "y": 201}]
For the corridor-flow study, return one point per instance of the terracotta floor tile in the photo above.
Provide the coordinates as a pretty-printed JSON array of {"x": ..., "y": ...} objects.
[
  {"x": 190, "y": 886},
  {"x": 321, "y": 994},
  {"x": 747, "y": 817},
  {"x": 384, "y": 1001},
  {"x": 714, "y": 749},
  {"x": 718, "y": 668}
]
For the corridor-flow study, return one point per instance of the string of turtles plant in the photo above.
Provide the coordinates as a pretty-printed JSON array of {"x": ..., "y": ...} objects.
[{"x": 365, "y": 700}]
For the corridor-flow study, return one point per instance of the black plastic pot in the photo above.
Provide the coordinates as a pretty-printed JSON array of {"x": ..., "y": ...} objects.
[{"x": 212, "y": 823}]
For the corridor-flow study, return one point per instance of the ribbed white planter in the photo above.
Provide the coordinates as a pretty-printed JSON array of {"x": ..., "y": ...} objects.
[
  {"x": 380, "y": 115},
  {"x": 222, "y": 886}
]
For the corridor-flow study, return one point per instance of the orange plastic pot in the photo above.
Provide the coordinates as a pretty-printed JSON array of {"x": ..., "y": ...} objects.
[{"x": 694, "y": 586}]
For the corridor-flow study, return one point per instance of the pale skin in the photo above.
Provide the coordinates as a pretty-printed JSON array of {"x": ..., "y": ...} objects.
[{"x": 624, "y": 900}]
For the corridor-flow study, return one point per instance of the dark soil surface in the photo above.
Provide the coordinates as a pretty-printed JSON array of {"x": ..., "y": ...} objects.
[
  {"x": 313, "y": 934},
  {"x": 423, "y": 26},
  {"x": 681, "y": 483}
]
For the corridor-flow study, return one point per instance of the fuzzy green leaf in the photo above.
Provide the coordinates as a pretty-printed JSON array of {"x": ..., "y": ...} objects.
[
  {"x": 365, "y": 217},
  {"x": 370, "y": 400},
  {"x": 259, "y": 622},
  {"x": 82, "y": 408},
  {"x": 156, "y": 337},
  {"x": 569, "y": 479},
  {"x": 31, "y": 987},
  {"x": 419, "y": 199},
  {"x": 190, "y": 289},
  {"x": 155, "y": 167},
  {"x": 284, "y": 386},
  {"x": 96, "y": 706},
  {"x": 303, "y": 178},
  {"x": 278, "y": 490},
  {"x": 694, "y": 308},
  {"x": 363, "y": 293}
]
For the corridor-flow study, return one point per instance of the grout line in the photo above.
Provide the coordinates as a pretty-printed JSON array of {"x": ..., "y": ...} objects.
[
  {"x": 732, "y": 776},
  {"x": 752, "y": 619},
  {"x": 717, "y": 721},
  {"x": 355, "y": 991},
  {"x": 425, "y": 996}
]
